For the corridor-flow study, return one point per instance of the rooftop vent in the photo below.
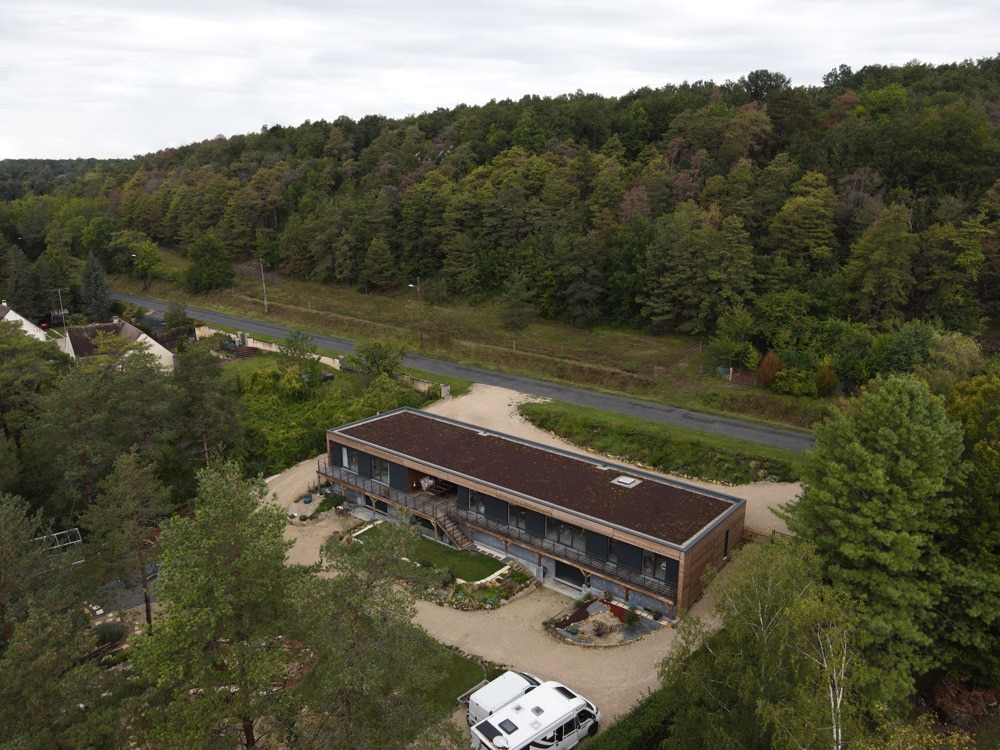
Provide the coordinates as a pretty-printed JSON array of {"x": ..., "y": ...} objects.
[{"x": 625, "y": 481}]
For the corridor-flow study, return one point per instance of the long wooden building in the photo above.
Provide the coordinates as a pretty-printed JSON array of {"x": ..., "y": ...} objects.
[{"x": 590, "y": 524}]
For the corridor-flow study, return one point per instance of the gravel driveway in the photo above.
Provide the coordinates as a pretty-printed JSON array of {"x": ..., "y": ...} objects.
[{"x": 614, "y": 678}]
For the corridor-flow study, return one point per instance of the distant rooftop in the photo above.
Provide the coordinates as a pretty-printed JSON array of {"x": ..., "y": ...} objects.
[
  {"x": 643, "y": 502},
  {"x": 84, "y": 338}
]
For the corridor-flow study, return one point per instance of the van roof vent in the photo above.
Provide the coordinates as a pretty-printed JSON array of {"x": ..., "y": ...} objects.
[{"x": 626, "y": 481}]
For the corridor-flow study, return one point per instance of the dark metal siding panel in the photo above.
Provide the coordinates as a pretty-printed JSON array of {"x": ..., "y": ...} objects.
[
  {"x": 398, "y": 477},
  {"x": 364, "y": 465},
  {"x": 463, "y": 498},
  {"x": 336, "y": 454},
  {"x": 630, "y": 556},
  {"x": 496, "y": 509},
  {"x": 534, "y": 522},
  {"x": 673, "y": 566},
  {"x": 597, "y": 544}
]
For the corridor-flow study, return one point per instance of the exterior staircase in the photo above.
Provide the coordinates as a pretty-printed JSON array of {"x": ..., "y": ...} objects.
[
  {"x": 244, "y": 352},
  {"x": 458, "y": 537}
]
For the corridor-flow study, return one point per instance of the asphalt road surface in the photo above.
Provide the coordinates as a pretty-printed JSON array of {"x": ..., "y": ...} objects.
[{"x": 618, "y": 404}]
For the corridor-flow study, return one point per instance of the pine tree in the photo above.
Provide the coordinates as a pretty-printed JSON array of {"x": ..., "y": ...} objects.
[
  {"x": 94, "y": 290},
  {"x": 878, "y": 499}
]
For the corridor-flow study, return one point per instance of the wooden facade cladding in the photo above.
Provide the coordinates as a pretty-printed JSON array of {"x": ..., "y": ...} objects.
[{"x": 615, "y": 507}]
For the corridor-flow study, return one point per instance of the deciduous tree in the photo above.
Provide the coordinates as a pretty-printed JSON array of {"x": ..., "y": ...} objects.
[
  {"x": 211, "y": 267},
  {"x": 879, "y": 271},
  {"x": 377, "y": 357},
  {"x": 298, "y": 354},
  {"x": 782, "y": 669}
]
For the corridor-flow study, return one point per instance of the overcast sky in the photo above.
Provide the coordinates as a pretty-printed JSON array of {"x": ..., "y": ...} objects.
[{"x": 82, "y": 78}]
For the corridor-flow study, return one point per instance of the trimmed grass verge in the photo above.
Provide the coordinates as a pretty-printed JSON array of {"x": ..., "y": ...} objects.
[{"x": 665, "y": 447}]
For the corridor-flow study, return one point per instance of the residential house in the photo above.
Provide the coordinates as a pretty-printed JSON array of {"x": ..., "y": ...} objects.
[
  {"x": 588, "y": 523},
  {"x": 80, "y": 341},
  {"x": 8, "y": 314}
]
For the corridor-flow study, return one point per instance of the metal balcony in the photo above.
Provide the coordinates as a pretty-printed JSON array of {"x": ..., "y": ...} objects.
[
  {"x": 592, "y": 563},
  {"x": 440, "y": 509}
]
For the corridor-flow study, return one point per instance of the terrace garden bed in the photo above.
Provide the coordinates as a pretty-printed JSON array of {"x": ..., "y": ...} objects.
[{"x": 602, "y": 622}]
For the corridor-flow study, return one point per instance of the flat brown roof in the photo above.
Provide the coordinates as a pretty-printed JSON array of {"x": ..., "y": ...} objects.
[{"x": 654, "y": 507}]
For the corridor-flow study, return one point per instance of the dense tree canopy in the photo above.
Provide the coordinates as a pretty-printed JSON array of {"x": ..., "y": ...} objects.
[
  {"x": 830, "y": 235},
  {"x": 551, "y": 188}
]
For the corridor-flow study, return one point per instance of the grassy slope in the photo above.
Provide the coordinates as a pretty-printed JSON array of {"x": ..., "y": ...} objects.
[{"x": 671, "y": 370}]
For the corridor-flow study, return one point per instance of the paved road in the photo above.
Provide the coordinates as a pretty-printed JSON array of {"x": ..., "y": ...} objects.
[{"x": 582, "y": 397}]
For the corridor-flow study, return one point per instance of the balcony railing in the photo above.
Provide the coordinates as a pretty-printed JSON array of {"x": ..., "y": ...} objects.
[
  {"x": 591, "y": 562},
  {"x": 415, "y": 501},
  {"x": 437, "y": 508}
]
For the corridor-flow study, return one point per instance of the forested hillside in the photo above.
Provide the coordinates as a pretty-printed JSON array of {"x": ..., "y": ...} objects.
[
  {"x": 827, "y": 213},
  {"x": 825, "y": 237}
]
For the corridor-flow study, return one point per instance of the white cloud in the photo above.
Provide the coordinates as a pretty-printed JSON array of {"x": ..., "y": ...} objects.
[{"x": 120, "y": 77}]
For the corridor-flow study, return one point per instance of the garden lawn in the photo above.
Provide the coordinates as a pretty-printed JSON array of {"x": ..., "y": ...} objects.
[{"x": 466, "y": 565}]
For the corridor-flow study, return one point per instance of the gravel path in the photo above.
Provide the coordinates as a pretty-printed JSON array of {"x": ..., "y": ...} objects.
[{"x": 615, "y": 678}]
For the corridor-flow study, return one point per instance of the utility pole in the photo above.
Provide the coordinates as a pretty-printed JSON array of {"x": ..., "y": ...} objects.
[
  {"x": 420, "y": 305},
  {"x": 62, "y": 310},
  {"x": 263, "y": 283}
]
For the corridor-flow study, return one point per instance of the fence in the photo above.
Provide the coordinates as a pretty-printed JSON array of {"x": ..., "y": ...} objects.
[
  {"x": 736, "y": 375},
  {"x": 749, "y": 535}
]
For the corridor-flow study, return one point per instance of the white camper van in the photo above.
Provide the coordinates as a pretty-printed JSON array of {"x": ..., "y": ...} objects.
[
  {"x": 550, "y": 716},
  {"x": 496, "y": 694}
]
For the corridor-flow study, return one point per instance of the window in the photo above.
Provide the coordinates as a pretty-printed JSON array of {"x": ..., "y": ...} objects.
[
  {"x": 566, "y": 533},
  {"x": 659, "y": 567},
  {"x": 477, "y": 502},
  {"x": 380, "y": 470},
  {"x": 350, "y": 457},
  {"x": 648, "y": 562},
  {"x": 518, "y": 517}
]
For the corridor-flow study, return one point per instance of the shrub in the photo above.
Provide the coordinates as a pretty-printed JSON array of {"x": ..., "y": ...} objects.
[
  {"x": 631, "y": 618},
  {"x": 795, "y": 382},
  {"x": 645, "y": 726},
  {"x": 767, "y": 369},
  {"x": 110, "y": 632},
  {"x": 826, "y": 381}
]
